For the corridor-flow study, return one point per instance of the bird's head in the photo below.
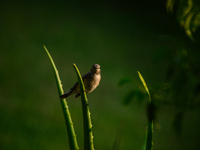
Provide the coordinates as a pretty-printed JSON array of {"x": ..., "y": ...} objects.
[{"x": 95, "y": 69}]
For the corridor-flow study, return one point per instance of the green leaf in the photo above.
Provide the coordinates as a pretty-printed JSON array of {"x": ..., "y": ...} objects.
[
  {"x": 129, "y": 97},
  {"x": 144, "y": 84},
  {"x": 134, "y": 94},
  {"x": 58, "y": 81},
  {"x": 150, "y": 115},
  {"x": 187, "y": 14},
  {"x": 70, "y": 128}
]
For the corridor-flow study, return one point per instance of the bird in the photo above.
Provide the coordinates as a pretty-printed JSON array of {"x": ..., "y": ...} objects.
[{"x": 91, "y": 80}]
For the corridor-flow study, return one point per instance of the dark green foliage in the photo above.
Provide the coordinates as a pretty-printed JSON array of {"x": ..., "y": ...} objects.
[
  {"x": 137, "y": 94},
  {"x": 150, "y": 110},
  {"x": 187, "y": 14},
  {"x": 181, "y": 87},
  {"x": 183, "y": 80}
]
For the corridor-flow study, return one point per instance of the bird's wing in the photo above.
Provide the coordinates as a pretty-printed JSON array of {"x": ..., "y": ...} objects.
[{"x": 83, "y": 78}]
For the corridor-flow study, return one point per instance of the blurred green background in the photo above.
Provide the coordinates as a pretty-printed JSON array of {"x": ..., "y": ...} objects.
[{"x": 123, "y": 37}]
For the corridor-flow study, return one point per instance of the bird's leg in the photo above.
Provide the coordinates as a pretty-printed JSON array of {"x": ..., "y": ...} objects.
[{"x": 77, "y": 95}]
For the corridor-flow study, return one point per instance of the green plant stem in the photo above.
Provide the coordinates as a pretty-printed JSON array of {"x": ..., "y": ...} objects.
[
  {"x": 149, "y": 139},
  {"x": 88, "y": 137},
  {"x": 70, "y": 128},
  {"x": 149, "y": 136}
]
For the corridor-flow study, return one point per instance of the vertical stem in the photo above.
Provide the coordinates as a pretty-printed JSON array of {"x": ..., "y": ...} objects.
[
  {"x": 150, "y": 116},
  {"x": 88, "y": 137},
  {"x": 149, "y": 140}
]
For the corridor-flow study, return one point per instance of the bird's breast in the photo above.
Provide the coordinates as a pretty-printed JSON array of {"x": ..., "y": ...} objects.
[{"x": 93, "y": 83}]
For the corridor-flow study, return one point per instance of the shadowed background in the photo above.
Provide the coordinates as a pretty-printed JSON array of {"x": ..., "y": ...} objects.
[{"x": 122, "y": 36}]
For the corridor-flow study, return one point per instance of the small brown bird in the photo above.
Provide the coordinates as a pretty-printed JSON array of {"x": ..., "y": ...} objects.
[{"x": 91, "y": 80}]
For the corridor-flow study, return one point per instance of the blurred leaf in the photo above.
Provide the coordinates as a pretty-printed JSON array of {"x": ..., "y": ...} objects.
[
  {"x": 129, "y": 97},
  {"x": 150, "y": 115},
  {"x": 125, "y": 81},
  {"x": 144, "y": 84},
  {"x": 134, "y": 94},
  {"x": 170, "y": 5},
  {"x": 140, "y": 97},
  {"x": 188, "y": 14},
  {"x": 187, "y": 25}
]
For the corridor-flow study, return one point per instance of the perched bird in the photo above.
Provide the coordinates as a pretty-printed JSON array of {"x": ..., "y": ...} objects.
[{"x": 91, "y": 80}]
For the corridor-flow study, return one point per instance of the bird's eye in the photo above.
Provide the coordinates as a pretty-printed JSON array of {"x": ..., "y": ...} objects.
[{"x": 95, "y": 66}]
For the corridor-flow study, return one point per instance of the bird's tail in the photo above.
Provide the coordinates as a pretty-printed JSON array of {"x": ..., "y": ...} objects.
[{"x": 65, "y": 95}]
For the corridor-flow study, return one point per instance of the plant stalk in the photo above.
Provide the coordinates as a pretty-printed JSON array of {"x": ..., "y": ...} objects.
[
  {"x": 88, "y": 137},
  {"x": 69, "y": 124}
]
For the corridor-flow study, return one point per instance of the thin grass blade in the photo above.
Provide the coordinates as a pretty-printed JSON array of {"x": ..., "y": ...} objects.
[
  {"x": 149, "y": 134},
  {"x": 144, "y": 84}
]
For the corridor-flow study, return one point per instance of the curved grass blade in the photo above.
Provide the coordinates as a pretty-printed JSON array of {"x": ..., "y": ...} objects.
[
  {"x": 70, "y": 128},
  {"x": 88, "y": 137},
  {"x": 149, "y": 136},
  {"x": 144, "y": 84}
]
